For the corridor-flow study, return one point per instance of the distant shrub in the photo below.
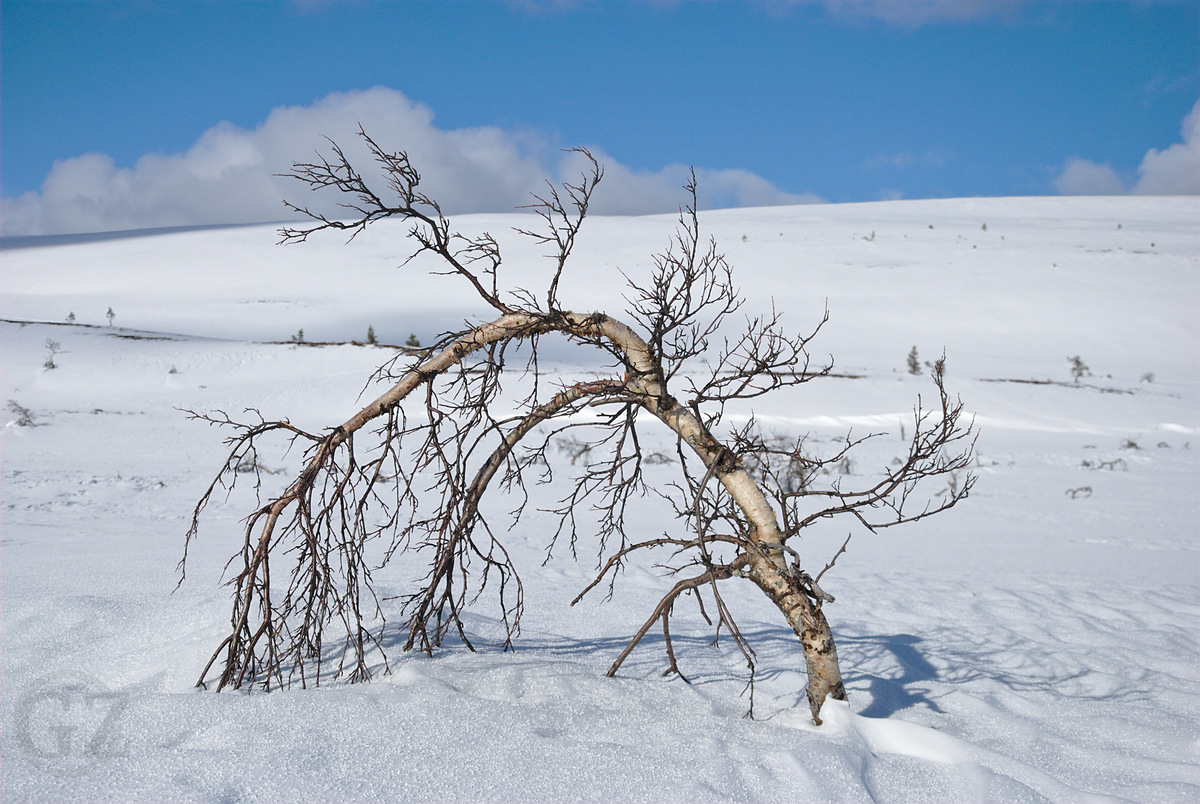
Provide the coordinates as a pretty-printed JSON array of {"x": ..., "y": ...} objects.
[
  {"x": 914, "y": 362},
  {"x": 1079, "y": 369},
  {"x": 25, "y": 417},
  {"x": 52, "y": 348}
]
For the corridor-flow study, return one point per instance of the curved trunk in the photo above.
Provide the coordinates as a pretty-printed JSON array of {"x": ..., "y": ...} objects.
[
  {"x": 768, "y": 566},
  {"x": 764, "y": 551},
  {"x": 809, "y": 623}
]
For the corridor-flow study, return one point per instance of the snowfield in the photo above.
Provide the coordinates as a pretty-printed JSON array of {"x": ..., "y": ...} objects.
[{"x": 1040, "y": 642}]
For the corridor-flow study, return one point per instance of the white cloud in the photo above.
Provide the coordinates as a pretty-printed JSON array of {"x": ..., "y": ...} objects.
[
  {"x": 889, "y": 161},
  {"x": 1084, "y": 177},
  {"x": 628, "y": 192},
  {"x": 1176, "y": 170},
  {"x": 907, "y": 13},
  {"x": 903, "y": 161},
  {"x": 921, "y": 12},
  {"x": 229, "y": 174},
  {"x": 1172, "y": 171}
]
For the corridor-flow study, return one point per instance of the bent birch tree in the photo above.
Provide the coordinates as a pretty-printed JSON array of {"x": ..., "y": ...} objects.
[{"x": 304, "y": 604}]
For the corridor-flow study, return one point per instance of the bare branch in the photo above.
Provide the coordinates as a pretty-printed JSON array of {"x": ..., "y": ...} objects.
[
  {"x": 430, "y": 228},
  {"x": 563, "y": 224},
  {"x": 406, "y": 475},
  {"x": 663, "y": 608}
]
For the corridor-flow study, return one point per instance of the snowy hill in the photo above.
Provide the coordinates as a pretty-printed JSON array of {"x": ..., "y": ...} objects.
[{"x": 1038, "y": 642}]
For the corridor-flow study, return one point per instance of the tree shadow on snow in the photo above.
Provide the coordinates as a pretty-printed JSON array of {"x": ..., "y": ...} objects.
[
  {"x": 889, "y": 668},
  {"x": 903, "y": 687}
]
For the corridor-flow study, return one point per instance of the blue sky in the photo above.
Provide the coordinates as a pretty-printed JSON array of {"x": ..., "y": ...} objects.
[{"x": 131, "y": 114}]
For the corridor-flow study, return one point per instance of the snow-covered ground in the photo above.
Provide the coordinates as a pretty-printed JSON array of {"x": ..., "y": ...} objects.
[{"x": 1039, "y": 642}]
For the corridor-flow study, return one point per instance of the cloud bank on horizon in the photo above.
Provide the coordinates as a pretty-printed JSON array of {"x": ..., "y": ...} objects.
[
  {"x": 841, "y": 100},
  {"x": 231, "y": 175},
  {"x": 908, "y": 13},
  {"x": 1172, "y": 171}
]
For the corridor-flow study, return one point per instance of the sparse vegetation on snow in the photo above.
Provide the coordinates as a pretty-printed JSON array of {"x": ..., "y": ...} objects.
[{"x": 1040, "y": 643}]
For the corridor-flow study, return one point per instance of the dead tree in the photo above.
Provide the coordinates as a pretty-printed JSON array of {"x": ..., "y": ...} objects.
[{"x": 406, "y": 474}]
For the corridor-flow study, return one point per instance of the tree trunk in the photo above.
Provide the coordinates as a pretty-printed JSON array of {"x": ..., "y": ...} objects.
[
  {"x": 768, "y": 566},
  {"x": 809, "y": 623}
]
